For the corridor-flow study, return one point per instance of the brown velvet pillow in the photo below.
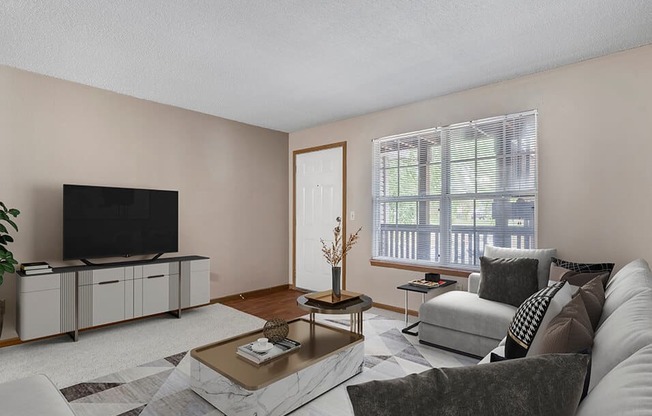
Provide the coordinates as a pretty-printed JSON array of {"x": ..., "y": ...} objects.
[
  {"x": 569, "y": 331},
  {"x": 580, "y": 279},
  {"x": 592, "y": 293}
]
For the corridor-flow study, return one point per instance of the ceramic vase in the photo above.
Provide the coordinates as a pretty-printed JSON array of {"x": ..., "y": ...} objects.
[{"x": 337, "y": 274}]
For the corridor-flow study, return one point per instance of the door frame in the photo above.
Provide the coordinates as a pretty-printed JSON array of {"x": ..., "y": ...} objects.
[{"x": 294, "y": 204}]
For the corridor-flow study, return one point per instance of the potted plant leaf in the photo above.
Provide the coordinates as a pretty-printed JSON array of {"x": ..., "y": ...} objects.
[
  {"x": 7, "y": 261},
  {"x": 335, "y": 253}
]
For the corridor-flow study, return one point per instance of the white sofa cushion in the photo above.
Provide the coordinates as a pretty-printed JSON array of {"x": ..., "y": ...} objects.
[
  {"x": 624, "y": 391},
  {"x": 631, "y": 280},
  {"x": 544, "y": 255},
  {"x": 466, "y": 312},
  {"x": 32, "y": 396},
  {"x": 627, "y": 330}
]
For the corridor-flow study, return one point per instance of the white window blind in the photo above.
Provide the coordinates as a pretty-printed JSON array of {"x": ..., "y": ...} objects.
[{"x": 440, "y": 195}]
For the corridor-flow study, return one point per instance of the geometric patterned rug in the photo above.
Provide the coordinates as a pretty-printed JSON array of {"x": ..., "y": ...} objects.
[{"x": 161, "y": 387}]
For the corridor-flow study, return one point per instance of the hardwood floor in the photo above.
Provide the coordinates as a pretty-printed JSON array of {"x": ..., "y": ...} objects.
[{"x": 281, "y": 304}]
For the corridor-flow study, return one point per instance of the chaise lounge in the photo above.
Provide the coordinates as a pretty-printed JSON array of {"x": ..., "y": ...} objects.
[{"x": 464, "y": 322}]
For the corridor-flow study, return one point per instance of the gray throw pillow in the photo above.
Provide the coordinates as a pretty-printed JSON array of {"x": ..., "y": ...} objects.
[
  {"x": 548, "y": 384},
  {"x": 508, "y": 281}
]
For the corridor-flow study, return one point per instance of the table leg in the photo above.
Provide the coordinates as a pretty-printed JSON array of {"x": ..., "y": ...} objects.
[
  {"x": 360, "y": 321},
  {"x": 312, "y": 317},
  {"x": 407, "y": 329},
  {"x": 406, "y": 308},
  {"x": 352, "y": 323}
]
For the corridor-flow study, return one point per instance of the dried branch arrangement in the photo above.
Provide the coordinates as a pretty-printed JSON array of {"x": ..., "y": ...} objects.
[{"x": 337, "y": 250}]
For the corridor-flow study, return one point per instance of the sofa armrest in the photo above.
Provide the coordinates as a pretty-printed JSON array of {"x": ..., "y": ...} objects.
[
  {"x": 474, "y": 282},
  {"x": 33, "y": 395}
]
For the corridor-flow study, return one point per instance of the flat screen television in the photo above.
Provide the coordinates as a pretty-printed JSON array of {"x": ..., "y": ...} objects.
[{"x": 102, "y": 221}]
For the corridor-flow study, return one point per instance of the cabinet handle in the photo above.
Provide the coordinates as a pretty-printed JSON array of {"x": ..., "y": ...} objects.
[
  {"x": 155, "y": 276},
  {"x": 108, "y": 282}
]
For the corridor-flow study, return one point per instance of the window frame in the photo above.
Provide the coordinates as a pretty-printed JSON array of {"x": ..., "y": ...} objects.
[{"x": 446, "y": 264}]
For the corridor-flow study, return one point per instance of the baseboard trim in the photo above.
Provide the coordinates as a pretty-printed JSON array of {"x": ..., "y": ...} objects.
[
  {"x": 9, "y": 342},
  {"x": 298, "y": 289},
  {"x": 395, "y": 309},
  {"x": 252, "y": 294}
]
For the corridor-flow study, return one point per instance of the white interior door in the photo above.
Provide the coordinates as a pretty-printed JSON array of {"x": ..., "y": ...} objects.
[{"x": 318, "y": 202}]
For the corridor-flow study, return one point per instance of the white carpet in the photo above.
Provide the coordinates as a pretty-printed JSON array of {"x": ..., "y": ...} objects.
[
  {"x": 111, "y": 349},
  {"x": 101, "y": 379},
  {"x": 161, "y": 387}
]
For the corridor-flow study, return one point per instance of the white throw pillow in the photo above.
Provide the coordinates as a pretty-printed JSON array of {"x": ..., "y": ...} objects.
[{"x": 544, "y": 255}]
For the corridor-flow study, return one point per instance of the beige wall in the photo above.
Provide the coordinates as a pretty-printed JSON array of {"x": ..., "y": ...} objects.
[
  {"x": 231, "y": 177},
  {"x": 595, "y": 159}
]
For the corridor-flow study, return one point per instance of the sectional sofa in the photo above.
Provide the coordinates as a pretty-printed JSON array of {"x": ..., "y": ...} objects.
[{"x": 614, "y": 379}]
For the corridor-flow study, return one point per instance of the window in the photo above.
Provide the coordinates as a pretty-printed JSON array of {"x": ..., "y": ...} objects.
[{"x": 440, "y": 195}]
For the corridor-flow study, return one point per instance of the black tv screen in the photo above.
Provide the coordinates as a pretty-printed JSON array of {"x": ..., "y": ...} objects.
[{"x": 101, "y": 221}]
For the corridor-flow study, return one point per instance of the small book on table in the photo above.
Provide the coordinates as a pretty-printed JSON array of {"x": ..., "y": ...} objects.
[{"x": 279, "y": 348}]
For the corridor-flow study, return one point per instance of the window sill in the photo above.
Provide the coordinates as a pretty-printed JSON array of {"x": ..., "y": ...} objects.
[{"x": 421, "y": 268}]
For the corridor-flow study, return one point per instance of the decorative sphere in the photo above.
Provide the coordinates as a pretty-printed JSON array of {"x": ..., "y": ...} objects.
[{"x": 276, "y": 329}]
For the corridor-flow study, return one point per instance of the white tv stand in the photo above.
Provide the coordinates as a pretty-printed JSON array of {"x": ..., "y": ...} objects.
[{"x": 73, "y": 298}]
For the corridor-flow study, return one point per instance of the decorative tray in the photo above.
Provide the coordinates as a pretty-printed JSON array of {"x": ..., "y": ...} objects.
[{"x": 326, "y": 297}]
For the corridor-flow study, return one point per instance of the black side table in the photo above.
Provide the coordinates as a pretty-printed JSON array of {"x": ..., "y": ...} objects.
[{"x": 423, "y": 290}]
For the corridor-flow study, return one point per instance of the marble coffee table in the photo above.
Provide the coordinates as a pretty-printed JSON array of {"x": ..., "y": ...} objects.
[{"x": 328, "y": 356}]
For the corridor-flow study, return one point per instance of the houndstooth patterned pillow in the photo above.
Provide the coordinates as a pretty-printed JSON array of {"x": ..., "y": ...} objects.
[{"x": 527, "y": 320}]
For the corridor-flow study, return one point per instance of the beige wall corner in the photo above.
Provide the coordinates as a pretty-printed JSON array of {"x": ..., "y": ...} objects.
[{"x": 231, "y": 177}]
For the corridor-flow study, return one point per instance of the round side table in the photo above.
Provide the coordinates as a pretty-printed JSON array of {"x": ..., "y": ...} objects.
[{"x": 353, "y": 307}]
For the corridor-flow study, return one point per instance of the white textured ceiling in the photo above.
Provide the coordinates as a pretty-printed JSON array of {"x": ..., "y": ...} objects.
[{"x": 292, "y": 64}]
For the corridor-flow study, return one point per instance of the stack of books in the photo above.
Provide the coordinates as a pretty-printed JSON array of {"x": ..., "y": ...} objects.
[
  {"x": 282, "y": 347},
  {"x": 426, "y": 283},
  {"x": 37, "y": 267}
]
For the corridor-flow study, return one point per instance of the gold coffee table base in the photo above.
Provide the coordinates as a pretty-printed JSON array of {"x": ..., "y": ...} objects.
[{"x": 354, "y": 308}]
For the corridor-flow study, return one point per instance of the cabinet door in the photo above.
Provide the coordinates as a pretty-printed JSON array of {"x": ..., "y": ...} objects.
[
  {"x": 200, "y": 287},
  {"x": 39, "y": 314},
  {"x": 108, "y": 302},
  {"x": 156, "y": 294},
  {"x": 195, "y": 283}
]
